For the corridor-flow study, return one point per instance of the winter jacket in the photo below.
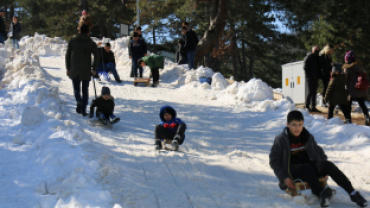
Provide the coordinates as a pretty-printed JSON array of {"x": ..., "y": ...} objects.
[
  {"x": 138, "y": 48},
  {"x": 337, "y": 94},
  {"x": 154, "y": 61},
  {"x": 325, "y": 64},
  {"x": 16, "y": 29},
  {"x": 351, "y": 71},
  {"x": 2, "y": 27},
  {"x": 280, "y": 153},
  {"x": 106, "y": 57},
  {"x": 78, "y": 57},
  {"x": 103, "y": 106},
  {"x": 311, "y": 65},
  {"x": 191, "y": 41},
  {"x": 84, "y": 21},
  {"x": 173, "y": 124}
]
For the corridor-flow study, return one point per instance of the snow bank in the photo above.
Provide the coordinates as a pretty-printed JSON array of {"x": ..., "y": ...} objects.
[{"x": 44, "y": 46}]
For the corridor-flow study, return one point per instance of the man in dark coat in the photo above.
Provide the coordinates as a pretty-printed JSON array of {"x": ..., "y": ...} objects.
[
  {"x": 2, "y": 27},
  {"x": 107, "y": 62},
  {"x": 16, "y": 28},
  {"x": 78, "y": 64},
  {"x": 191, "y": 42},
  {"x": 137, "y": 49},
  {"x": 311, "y": 67},
  {"x": 138, "y": 31}
]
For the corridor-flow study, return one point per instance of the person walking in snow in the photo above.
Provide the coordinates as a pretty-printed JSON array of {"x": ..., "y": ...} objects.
[
  {"x": 78, "y": 64},
  {"x": 85, "y": 19},
  {"x": 311, "y": 67},
  {"x": 337, "y": 94},
  {"x": 107, "y": 62},
  {"x": 170, "y": 131},
  {"x": 155, "y": 62},
  {"x": 326, "y": 62},
  {"x": 137, "y": 49},
  {"x": 16, "y": 29},
  {"x": 105, "y": 107},
  {"x": 181, "y": 55},
  {"x": 352, "y": 69},
  {"x": 191, "y": 42},
  {"x": 2, "y": 27},
  {"x": 296, "y": 155}
]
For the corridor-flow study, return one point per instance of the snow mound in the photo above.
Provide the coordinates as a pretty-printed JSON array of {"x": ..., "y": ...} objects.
[{"x": 255, "y": 90}]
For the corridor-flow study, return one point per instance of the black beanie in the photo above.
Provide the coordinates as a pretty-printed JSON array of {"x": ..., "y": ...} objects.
[{"x": 105, "y": 91}]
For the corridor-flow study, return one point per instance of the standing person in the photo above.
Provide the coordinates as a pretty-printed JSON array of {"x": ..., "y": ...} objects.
[
  {"x": 2, "y": 27},
  {"x": 85, "y": 19},
  {"x": 155, "y": 63},
  {"x": 78, "y": 64},
  {"x": 337, "y": 94},
  {"x": 352, "y": 69},
  {"x": 296, "y": 155},
  {"x": 16, "y": 28},
  {"x": 311, "y": 67},
  {"x": 326, "y": 62},
  {"x": 136, "y": 50},
  {"x": 191, "y": 42},
  {"x": 138, "y": 31},
  {"x": 181, "y": 56},
  {"x": 107, "y": 62}
]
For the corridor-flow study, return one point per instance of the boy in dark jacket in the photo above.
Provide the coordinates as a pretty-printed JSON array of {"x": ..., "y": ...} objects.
[
  {"x": 171, "y": 130},
  {"x": 105, "y": 107},
  {"x": 337, "y": 93},
  {"x": 296, "y": 155}
]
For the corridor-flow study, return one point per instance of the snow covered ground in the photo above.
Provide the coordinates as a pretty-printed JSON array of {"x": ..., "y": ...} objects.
[{"x": 51, "y": 157}]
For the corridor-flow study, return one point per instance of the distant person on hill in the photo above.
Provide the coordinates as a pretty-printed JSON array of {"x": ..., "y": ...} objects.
[
  {"x": 171, "y": 130},
  {"x": 155, "y": 63},
  {"x": 191, "y": 42},
  {"x": 16, "y": 29},
  {"x": 85, "y": 19},
  {"x": 79, "y": 66},
  {"x": 138, "y": 31},
  {"x": 326, "y": 62},
  {"x": 296, "y": 155},
  {"x": 105, "y": 107},
  {"x": 137, "y": 49},
  {"x": 337, "y": 94},
  {"x": 2, "y": 27},
  {"x": 181, "y": 55},
  {"x": 312, "y": 70},
  {"x": 358, "y": 91},
  {"x": 107, "y": 62}
]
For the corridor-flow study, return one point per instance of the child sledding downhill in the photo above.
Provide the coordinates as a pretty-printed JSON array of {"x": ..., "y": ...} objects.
[
  {"x": 296, "y": 155},
  {"x": 105, "y": 107},
  {"x": 171, "y": 130}
]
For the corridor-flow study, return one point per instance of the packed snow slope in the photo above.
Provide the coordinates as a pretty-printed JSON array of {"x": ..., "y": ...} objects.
[{"x": 52, "y": 157}]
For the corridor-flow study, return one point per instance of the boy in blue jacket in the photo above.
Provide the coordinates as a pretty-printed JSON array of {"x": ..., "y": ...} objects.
[
  {"x": 171, "y": 130},
  {"x": 296, "y": 155}
]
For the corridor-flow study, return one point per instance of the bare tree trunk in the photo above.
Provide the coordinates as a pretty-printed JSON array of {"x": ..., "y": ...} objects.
[
  {"x": 207, "y": 15},
  {"x": 251, "y": 65},
  {"x": 245, "y": 78},
  {"x": 212, "y": 35},
  {"x": 154, "y": 43},
  {"x": 233, "y": 47},
  {"x": 84, "y": 5}
]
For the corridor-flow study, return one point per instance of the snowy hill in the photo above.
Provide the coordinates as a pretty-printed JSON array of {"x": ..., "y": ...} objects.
[{"x": 52, "y": 157}]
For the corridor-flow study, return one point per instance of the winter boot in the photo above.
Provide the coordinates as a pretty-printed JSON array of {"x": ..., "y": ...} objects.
[
  {"x": 348, "y": 121},
  {"x": 103, "y": 119},
  {"x": 358, "y": 199},
  {"x": 79, "y": 108},
  {"x": 325, "y": 197},
  {"x": 175, "y": 142},
  {"x": 158, "y": 144},
  {"x": 155, "y": 84},
  {"x": 113, "y": 119},
  {"x": 367, "y": 122}
]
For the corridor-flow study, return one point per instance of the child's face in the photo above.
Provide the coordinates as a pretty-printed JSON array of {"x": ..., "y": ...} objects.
[
  {"x": 295, "y": 127},
  {"x": 142, "y": 64},
  {"x": 167, "y": 117},
  {"x": 105, "y": 97}
]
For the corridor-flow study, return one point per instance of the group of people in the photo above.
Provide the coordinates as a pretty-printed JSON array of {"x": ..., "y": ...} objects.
[
  {"x": 187, "y": 46},
  {"x": 341, "y": 82},
  {"x": 14, "y": 32}
]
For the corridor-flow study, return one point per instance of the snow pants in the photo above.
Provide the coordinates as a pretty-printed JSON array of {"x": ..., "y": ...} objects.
[{"x": 311, "y": 172}]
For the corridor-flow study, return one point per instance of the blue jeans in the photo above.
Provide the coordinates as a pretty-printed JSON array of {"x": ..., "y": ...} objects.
[
  {"x": 135, "y": 66},
  {"x": 85, "y": 92},
  {"x": 2, "y": 39},
  {"x": 191, "y": 55},
  {"x": 108, "y": 67},
  {"x": 15, "y": 43}
]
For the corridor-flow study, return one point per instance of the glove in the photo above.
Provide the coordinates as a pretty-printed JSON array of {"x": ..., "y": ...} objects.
[
  {"x": 166, "y": 125},
  {"x": 91, "y": 115},
  {"x": 173, "y": 125}
]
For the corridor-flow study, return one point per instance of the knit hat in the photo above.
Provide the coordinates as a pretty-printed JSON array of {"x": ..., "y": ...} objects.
[
  {"x": 350, "y": 57},
  {"x": 105, "y": 91},
  {"x": 337, "y": 67}
]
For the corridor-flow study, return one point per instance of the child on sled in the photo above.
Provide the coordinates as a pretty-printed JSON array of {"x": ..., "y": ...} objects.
[{"x": 105, "y": 107}]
